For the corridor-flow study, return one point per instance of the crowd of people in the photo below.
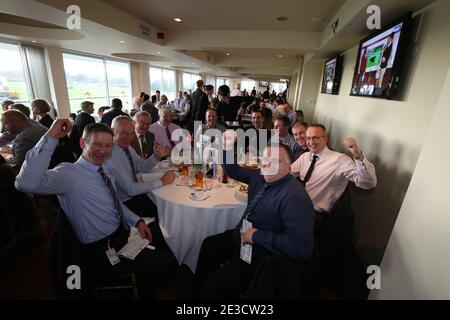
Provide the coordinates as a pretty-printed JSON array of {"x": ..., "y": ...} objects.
[{"x": 94, "y": 170}]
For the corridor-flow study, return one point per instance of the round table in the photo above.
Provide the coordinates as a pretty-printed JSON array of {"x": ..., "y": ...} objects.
[{"x": 185, "y": 223}]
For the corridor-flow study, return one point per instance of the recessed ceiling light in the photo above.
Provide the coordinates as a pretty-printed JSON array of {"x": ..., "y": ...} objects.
[
  {"x": 228, "y": 53},
  {"x": 282, "y": 19},
  {"x": 179, "y": 20},
  {"x": 121, "y": 41},
  {"x": 280, "y": 56},
  {"x": 34, "y": 41},
  {"x": 158, "y": 52}
]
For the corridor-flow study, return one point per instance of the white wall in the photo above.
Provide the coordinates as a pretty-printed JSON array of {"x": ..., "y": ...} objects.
[
  {"x": 417, "y": 261},
  {"x": 310, "y": 80},
  {"x": 391, "y": 133}
]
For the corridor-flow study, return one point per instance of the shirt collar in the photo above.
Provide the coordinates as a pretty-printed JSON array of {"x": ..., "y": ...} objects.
[
  {"x": 163, "y": 126},
  {"x": 82, "y": 162},
  {"x": 323, "y": 154}
]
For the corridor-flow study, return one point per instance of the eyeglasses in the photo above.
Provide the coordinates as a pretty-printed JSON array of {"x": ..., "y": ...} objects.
[{"x": 314, "y": 138}]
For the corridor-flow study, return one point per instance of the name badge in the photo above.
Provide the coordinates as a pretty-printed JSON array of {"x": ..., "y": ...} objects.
[
  {"x": 112, "y": 255},
  {"x": 246, "y": 249}
]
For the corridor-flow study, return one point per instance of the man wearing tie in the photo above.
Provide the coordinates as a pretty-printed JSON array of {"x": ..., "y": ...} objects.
[
  {"x": 325, "y": 175},
  {"x": 125, "y": 165},
  {"x": 144, "y": 140},
  {"x": 87, "y": 194},
  {"x": 163, "y": 128}
]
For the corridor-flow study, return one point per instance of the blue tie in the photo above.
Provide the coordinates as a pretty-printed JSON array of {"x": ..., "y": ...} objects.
[
  {"x": 252, "y": 204},
  {"x": 130, "y": 160},
  {"x": 115, "y": 198}
]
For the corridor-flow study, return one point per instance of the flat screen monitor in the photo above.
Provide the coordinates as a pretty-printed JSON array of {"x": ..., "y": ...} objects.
[
  {"x": 380, "y": 59},
  {"x": 332, "y": 72}
]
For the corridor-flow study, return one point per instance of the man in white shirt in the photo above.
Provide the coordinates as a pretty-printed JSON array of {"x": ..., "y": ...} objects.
[
  {"x": 325, "y": 175},
  {"x": 332, "y": 170},
  {"x": 163, "y": 128}
]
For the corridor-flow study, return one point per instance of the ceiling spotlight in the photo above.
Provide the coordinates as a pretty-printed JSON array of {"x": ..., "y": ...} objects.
[
  {"x": 227, "y": 53},
  {"x": 121, "y": 41},
  {"x": 282, "y": 19},
  {"x": 158, "y": 52},
  {"x": 179, "y": 20},
  {"x": 280, "y": 56},
  {"x": 34, "y": 41}
]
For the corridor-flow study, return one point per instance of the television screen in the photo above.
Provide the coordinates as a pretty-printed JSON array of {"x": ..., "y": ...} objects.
[
  {"x": 263, "y": 84},
  {"x": 380, "y": 58},
  {"x": 332, "y": 75}
]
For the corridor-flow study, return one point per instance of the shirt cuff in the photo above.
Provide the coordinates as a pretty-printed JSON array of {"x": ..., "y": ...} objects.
[{"x": 46, "y": 143}]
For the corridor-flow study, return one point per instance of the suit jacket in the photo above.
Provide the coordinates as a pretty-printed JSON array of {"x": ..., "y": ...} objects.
[
  {"x": 199, "y": 105},
  {"x": 150, "y": 141},
  {"x": 81, "y": 121},
  {"x": 110, "y": 115}
]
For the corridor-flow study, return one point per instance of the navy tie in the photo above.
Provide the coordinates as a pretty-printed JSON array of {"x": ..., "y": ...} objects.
[
  {"x": 252, "y": 204},
  {"x": 115, "y": 198},
  {"x": 310, "y": 170},
  {"x": 130, "y": 160},
  {"x": 169, "y": 136}
]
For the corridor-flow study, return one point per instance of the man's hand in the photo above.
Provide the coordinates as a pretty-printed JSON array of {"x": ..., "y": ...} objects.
[
  {"x": 168, "y": 178},
  {"x": 160, "y": 151},
  {"x": 228, "y": 139},
  {"x": 144, "y": 231},
  {"x": 352, "y": 146},
  {"x": 60, "y": 128},
  {"x": 247, "y": 236}
]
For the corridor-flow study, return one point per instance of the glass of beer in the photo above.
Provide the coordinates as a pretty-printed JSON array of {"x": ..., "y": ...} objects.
[
  {"x": 184, "y": 170},
  {"x": 199, "y": 175},
  {"x": 224, "y": 178}
]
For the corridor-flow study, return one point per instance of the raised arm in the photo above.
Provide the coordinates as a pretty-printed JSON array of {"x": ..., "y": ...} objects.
[
  {"x": 34, "y": 176},
  {"x": 362, "y": 171},
  {"x": 232, "y": 169}
]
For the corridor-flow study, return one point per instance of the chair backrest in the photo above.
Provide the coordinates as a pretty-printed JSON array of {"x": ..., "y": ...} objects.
[
  {"x": 64, "y": 250},
  {"x": 283, "y": 278}
]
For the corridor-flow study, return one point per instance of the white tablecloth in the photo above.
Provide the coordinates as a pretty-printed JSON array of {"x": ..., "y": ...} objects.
[{"x": 185, "y": 223}]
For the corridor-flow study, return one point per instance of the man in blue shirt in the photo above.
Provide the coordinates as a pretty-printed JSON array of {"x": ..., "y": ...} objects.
[
  {"x": 86, "y": 192},
  {"x": 125, "y": 165},
  {"x": 279, "y": 221}
]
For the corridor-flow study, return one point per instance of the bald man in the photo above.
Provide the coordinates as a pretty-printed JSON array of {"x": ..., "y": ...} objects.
[{"x": 26, "y": 135}]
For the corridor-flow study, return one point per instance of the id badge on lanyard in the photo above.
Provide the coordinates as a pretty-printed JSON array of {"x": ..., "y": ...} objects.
[{"x": 246, "y": 249}]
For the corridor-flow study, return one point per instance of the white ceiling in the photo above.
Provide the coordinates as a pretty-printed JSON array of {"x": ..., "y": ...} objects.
[
  {"x": 232, "y": 14},
  {"x": 248, "y": 30}
]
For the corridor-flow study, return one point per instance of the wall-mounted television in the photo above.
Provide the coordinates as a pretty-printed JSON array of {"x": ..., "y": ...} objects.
[
  {"x": 380, "y": 59},
  {"x": 332, "y": 72},
  {"x": 264, "y": 84}
]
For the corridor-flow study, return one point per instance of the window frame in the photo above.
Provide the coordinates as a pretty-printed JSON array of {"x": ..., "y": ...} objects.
[{"x": 103, "y": 59}]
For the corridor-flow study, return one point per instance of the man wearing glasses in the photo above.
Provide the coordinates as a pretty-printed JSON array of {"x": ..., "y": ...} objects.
[{"x": 325, "y": 175}]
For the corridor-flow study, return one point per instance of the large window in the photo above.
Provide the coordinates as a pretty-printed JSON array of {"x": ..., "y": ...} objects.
[
  {"x": 97, "y": 80},
  {"x": 13, "y": 83},
  {"x": 211, "y": 80},
  {"x": 222, "y": 81},
  {"x": 189, "y": 81},
  {"x": 248, "y": 85},
  {"x": 164, "y": 81},
  {"x": 279, "y": 87}
]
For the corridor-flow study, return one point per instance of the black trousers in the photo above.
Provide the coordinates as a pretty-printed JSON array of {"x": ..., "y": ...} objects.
[
  {"x": 221, "y": 274},
  {"x": 151, "y": 267},
  {"x": 142, "y": 206}
]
